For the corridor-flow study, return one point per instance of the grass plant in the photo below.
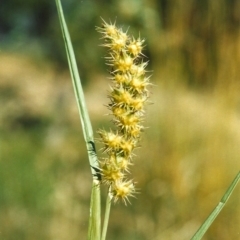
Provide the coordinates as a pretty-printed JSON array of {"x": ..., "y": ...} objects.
[{"x": 127, "y": 96}]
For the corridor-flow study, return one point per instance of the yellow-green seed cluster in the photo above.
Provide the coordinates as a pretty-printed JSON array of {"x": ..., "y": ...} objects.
[{"x": 127, "y": 98}]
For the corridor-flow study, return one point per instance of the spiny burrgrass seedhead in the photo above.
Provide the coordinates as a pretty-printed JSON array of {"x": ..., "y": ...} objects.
[
  {"x": 128, "y": 95},
  {"x": 122, "y": 189}
]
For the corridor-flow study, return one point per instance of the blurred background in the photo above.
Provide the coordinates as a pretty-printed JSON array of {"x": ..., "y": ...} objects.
[{"x": 189, "y": 153}]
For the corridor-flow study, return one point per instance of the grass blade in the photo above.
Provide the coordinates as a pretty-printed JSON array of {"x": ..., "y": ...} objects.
[
  {"x": 95, "y": 210},
  {"x": 202, "y": 230}
]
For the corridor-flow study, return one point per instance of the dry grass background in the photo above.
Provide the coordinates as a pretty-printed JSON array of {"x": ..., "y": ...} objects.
[{"x": 189, "y": 155}]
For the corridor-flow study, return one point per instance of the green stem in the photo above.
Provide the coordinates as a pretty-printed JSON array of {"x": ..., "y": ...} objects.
[
  {"x": 106, "y": 217},
  {"x": 95, "y": 208},
  {"x": 204, "y": 227},
  {"x": 77, "y": 86},
  {"x": 95, "y": 215}
]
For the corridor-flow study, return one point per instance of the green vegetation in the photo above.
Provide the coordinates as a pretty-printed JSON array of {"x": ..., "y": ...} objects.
[{"x": 191, "y": 150}]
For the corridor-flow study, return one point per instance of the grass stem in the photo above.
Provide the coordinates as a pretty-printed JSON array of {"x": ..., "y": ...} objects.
[
  {"x": 95, "y": 207},
  {"x": 106, "y": 217},
  {"x": 204, "y": 227}
]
